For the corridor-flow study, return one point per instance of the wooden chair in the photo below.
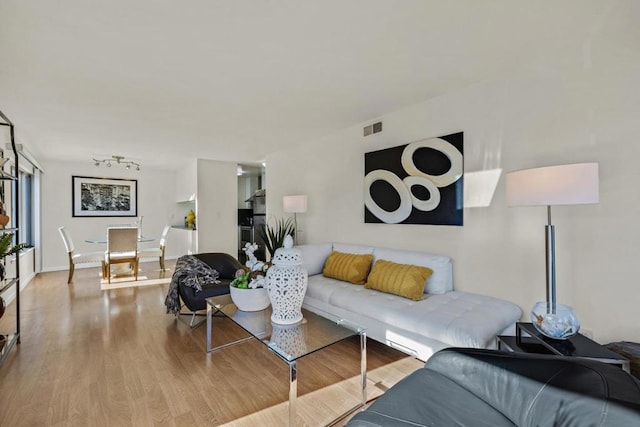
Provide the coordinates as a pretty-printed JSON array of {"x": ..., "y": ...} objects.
[
  {"x": 122, "y": 247},
  {"x": 157, "y": 252},
  {"x": 89, "y": 257}
]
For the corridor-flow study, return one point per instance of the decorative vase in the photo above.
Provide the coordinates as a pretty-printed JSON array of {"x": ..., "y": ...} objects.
[
  {"x": 4, "y": 220},
  {"x": 191, "y": 219},
  {"x": 249, "y": 299},
  {"x": 287, "y": 284},
  {"x": 560, "y": 326}
]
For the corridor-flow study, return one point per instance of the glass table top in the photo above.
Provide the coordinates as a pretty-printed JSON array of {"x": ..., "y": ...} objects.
[
  {"x": 103, "y": 239},
  {"x": 290, "y": 342}
]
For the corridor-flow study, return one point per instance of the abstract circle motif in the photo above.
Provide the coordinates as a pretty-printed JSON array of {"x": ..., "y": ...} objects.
[
  {"x": 403, "y": 211},
  {"x": 438, "y": 144},
  {"x": 434, "y": 193}
]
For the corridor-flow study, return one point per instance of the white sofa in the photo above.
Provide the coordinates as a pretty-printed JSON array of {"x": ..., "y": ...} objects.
[{"x": 444, "y": 318}]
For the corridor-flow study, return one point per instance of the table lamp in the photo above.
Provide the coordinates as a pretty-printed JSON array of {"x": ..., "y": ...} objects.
[{"x": 571, "y": 184}]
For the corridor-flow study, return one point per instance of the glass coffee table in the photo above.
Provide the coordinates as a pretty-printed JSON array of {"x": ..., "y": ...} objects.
[{"x": 289, "y": 342}]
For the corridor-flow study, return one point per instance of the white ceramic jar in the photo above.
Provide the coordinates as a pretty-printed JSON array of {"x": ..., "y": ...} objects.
[{"x": 287, "y": 284}]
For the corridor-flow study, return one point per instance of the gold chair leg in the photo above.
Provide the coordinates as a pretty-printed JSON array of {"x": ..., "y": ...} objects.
[
  {"x": 136, "y": 269},
  {"x": 71, "y": 270}
]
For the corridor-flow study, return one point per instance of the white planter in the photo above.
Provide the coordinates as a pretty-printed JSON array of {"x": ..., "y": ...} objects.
[{"x": 250, "y": 299}]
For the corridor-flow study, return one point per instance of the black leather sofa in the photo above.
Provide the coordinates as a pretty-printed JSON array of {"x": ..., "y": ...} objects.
[
  {"x": 472, "y": 387},
  {"x": 225, "y": 265}
]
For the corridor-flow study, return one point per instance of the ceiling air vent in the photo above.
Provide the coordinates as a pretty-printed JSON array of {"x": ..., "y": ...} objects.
[{"x": 371, "y": 129}]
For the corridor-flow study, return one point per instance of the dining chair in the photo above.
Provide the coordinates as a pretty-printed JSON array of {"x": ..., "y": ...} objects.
[
  {"x": 138, "y": 224},
  {"x": 89, "y": 257},
  {"x": 157, "y": 252},
  {"x": 122, "y": 248}
]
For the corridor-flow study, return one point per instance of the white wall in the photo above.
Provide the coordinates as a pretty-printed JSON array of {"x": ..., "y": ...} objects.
[
  {"x": 217, "y": 215},
  {"x": 584, "y": 108},
  {"x": 186, "y": 182},
  {"x": 156, "y": 202}
]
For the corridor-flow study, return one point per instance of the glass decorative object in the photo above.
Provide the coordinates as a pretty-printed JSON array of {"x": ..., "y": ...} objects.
[
  {"x": 560, "y": 325},
  {"x": 287, "y": 284}
]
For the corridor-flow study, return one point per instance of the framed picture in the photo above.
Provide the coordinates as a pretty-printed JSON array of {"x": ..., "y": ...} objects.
[
  {"x": 416, "y": 183},
  {"x": 99, "y": 197}
]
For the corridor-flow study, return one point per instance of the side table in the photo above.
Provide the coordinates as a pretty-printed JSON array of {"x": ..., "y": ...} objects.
[{"x": 576, "y": 346}]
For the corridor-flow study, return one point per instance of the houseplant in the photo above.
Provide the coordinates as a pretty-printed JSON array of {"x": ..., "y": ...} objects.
[
  {"x": 8, "y": 248},
  {"x": 273, "y": 234},
  {"x": 248, "y": 290}
]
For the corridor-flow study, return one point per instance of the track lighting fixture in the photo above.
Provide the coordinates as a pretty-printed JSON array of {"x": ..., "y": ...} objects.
[{"x": 119, "y": 160}]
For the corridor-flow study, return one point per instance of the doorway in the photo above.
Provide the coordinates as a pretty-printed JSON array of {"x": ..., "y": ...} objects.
[{"x": 251, "y": 208}]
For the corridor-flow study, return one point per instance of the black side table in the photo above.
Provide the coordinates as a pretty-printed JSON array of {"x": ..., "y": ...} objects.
[{"x": 576, "y": 346}]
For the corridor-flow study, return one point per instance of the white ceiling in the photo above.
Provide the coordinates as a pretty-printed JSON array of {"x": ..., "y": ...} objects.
[{"x": 161, "y": 80}]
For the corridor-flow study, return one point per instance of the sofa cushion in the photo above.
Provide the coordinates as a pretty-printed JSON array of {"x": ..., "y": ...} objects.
[
  {"x": 400, "y": 279},
  {"x": 352, "y": 249},
  {"x": 441, "y": 280},
  {"x": 455, "y": 318},
  {"x": 349, "y": 267},
  {"x": 314, "y": 256}
]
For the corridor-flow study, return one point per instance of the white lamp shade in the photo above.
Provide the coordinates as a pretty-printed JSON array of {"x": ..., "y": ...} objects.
[
  {"x": 574, "y": 184},
  {"x": 295, "y": 204}
]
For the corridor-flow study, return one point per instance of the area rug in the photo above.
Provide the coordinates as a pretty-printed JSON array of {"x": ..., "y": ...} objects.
[{"x": 130, "y": 282}]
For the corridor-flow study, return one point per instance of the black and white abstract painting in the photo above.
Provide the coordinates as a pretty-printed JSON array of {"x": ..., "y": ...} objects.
[
  {"x": 104, "y": 197},
  {"x": 416, "y": 183}
]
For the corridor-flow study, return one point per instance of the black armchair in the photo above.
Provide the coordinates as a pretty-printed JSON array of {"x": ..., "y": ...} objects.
[{"x": 226, "y": 266}]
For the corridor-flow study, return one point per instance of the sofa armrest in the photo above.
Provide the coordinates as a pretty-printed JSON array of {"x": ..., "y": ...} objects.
[{"x": 532, "y": 389}]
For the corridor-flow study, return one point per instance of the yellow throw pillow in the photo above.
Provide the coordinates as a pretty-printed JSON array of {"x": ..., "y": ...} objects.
[
  {"x": 351, "y": 268},
  {"x": 400, "y": 279}
]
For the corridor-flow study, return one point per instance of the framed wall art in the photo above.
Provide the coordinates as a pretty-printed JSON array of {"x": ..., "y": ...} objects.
[
  {"x": 102, "y": 197},
  {"x": 417, "y": 183}
]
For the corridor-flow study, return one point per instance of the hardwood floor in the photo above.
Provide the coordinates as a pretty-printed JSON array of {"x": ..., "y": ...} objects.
[{"x": 115, "y": 358}]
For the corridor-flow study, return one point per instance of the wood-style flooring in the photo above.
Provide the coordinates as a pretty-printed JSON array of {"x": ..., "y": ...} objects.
[{"x": 115, "y": 358}]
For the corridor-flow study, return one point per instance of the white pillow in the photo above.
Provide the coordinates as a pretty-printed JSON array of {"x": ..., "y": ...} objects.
[
  {"x": 352, "y": 249},
  {"x": 313, "y": 256}
]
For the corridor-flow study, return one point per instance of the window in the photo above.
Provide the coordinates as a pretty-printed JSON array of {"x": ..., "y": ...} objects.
[{"x": 25, "y": 188}]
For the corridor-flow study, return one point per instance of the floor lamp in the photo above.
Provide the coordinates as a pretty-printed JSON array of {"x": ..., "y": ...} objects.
[
  {"x": 295, "y": 205},
  {"x": 572, "y": 184}
]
